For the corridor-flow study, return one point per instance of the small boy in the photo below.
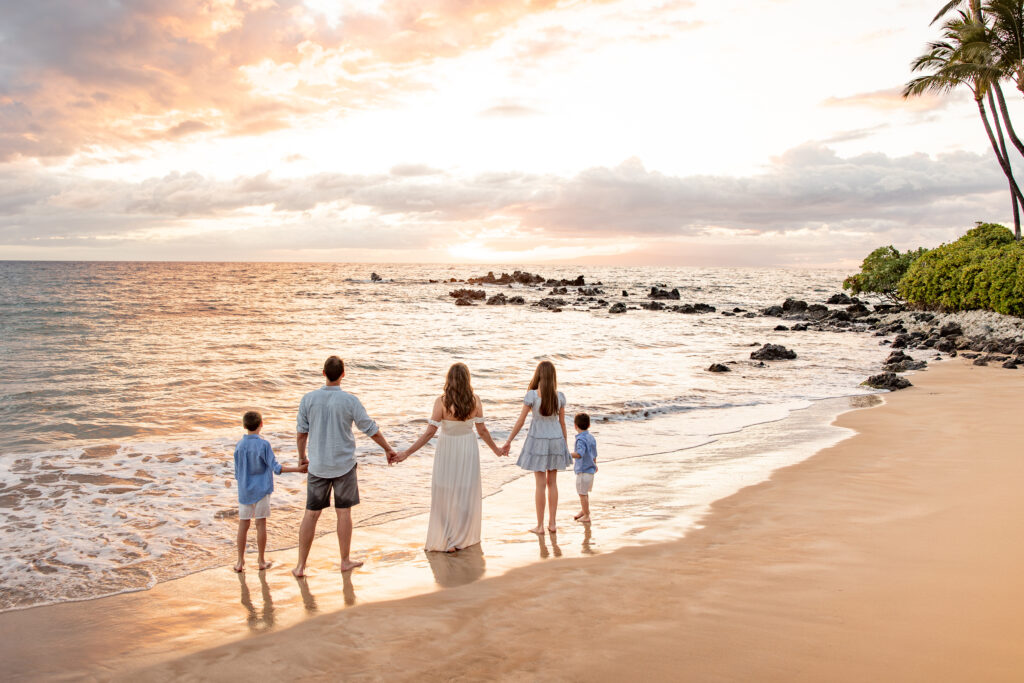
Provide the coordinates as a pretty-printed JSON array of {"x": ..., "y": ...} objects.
[
  {"x": 255, "y": 467},
  {"x": 585, "y": 454}
]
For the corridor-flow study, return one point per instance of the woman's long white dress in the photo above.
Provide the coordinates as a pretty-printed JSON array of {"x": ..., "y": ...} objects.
[{"x": 456, "y": 499}]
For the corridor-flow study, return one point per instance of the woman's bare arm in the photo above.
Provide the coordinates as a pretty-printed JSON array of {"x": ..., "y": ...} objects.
[
  {"x": 482, "y": 430},
  {"x": 561, "y": 419}
]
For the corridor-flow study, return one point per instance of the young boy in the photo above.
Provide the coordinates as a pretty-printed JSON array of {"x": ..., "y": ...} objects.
[
  {"x": 255, "y": 467},
  {"x": 585, "y": 454}
]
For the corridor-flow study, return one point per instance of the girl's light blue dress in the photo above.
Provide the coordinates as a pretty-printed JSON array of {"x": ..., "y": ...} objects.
[{"x": 545, "y": 447}]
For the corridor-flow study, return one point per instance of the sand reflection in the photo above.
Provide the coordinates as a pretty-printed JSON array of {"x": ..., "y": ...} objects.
[
  {"x": 458, "y": 568},
  {"x": 586, "y": 548},
  {"x": 555, "y": 550},
  {"x": 308, "y": 600},
  {"x": 257, "y": 619}
]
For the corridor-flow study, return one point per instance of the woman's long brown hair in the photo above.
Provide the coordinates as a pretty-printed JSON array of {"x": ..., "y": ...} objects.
[
  {"x": 545, "y": 383},
  {"x": 458, "y": 392}
]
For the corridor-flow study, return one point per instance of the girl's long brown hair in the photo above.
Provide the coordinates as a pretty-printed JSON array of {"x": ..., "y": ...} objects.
[
  {"x": 458, "y": 392},
  {"x": 545, "y": 383}
]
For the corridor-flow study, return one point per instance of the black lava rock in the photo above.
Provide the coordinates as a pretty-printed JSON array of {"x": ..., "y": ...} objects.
[
  {"x": 618, "y": 308},
  {"x": 773, "y": 352},
  {"x": 951, "y": 330},
  {"x": 887, "y": 380},
  {"x": 657, "y": 293},
  {"x": 794, "y": 306},
  {"x": 718, "y": 367}
]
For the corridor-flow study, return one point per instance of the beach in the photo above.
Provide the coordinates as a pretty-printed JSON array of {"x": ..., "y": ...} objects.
[{"x": 891, "y": 554}]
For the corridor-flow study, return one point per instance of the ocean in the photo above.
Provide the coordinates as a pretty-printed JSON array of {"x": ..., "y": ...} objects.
[{"x": 123, "y": 387}]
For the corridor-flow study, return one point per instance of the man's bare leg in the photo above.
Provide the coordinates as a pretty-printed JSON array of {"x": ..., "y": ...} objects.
[
  {"x": 307, "y": 530},
  {"x": 345, "y": 539}
]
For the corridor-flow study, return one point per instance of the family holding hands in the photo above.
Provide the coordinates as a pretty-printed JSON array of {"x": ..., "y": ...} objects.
[{"x": 326, "y": 448}]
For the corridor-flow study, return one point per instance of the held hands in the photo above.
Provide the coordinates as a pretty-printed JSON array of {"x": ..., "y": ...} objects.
[
  {"x": 505, "y": 448},
  {"x": 395, "y": 457}
]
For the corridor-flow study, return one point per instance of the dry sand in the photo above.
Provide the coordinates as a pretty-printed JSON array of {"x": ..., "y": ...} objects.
[{"x": 895, "y": 555}]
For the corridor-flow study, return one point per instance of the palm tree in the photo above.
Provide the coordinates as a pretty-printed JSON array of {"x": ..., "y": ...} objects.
[{"x": 965, "y": 58}]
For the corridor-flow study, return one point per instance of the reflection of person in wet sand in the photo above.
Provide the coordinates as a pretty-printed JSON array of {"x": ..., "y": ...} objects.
[
  {"x": 265, "y": 617},
  {"x": 457, "y": 569},
  {"x": 555, "y": 549},
  {"x": 586, "y": 549},
  {"x": 308, "y": 600}
]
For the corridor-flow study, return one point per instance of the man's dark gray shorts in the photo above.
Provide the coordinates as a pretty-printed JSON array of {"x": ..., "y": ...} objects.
[{"x": 318, "y": 491}]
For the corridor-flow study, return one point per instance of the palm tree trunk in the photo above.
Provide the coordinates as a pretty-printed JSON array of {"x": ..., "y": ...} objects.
[
  {"x": 1006, "y": 119},
  {"x": 1006, "y": 157},
  {"x": 1015, "y": 193}
]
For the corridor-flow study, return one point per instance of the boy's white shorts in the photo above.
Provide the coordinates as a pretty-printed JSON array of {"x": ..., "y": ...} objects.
[
  {"x": 258, "y": 510},
  {"x": 584, "y": 482}
]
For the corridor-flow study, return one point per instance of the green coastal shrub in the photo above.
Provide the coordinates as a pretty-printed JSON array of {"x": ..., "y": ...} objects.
[
  {"x": 984, "y": 269},
  {"x": 881, "y": 272}
]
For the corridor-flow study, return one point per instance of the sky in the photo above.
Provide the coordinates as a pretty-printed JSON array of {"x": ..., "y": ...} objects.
[{"x": 660, "y": 132}]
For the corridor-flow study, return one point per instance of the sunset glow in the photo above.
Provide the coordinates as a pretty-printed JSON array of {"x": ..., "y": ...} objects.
[{"x": 634, "y": 130}]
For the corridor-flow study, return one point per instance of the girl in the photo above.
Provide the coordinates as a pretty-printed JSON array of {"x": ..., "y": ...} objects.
[
  {"x": 545, "y": 450},
  {"x": 455, "y": 491}
]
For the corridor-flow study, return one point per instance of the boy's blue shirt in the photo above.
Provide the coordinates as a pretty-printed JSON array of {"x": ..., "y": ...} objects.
[
  {"x": 255, "y": 467},
  {"x": 586, "y": 446}
]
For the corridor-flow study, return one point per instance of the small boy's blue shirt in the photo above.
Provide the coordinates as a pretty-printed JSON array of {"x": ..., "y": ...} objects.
[
  {"x": 587, "y": 448},
  {"x": 255, "y": 467}
]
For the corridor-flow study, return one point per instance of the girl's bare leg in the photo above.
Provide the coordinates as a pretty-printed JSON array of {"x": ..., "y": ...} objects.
[
  {"x": 261, "y": 542},
  {"x": 552, "y": 499},
  {"x": 243, "y": 532},
  {"x": 539, "y": 499}
]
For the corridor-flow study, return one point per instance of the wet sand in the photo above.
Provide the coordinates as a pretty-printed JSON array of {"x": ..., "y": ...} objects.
[{"x": 894, "y": 554}]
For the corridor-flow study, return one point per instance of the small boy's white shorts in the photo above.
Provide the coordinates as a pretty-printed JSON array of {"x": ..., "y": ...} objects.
[
  {"x": 258, "y": 510},
  {"x": 584, "y": 482}
]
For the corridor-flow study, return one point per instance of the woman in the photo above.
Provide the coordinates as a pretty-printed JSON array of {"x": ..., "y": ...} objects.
[
  {"x": 546, "y": 449},
  {"x": 455, "y": 491}
]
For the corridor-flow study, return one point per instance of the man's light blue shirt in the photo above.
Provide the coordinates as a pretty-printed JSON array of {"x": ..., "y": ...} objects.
[
  {"x": 255, "y": 467},
  {"x": 327, "y": 415},
  {"x": 586, "y": 446}
]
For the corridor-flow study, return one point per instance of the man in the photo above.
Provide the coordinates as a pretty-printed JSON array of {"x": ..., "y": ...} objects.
[{"x": 325, "y": 425}]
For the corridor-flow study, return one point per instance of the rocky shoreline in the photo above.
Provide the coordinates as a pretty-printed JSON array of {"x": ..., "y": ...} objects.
[{"x": 982, "y": 336}]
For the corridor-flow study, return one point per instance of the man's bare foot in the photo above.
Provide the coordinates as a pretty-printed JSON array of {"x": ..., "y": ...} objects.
[
  {"x": 584, "y": 518},
  {"x": 266, "y": 564},
  {"x": 539, "y": 530},
  {"x": 577, "y": 515},
  {"x": 299, "y": 572},
  {"x": 552, "y": 529},
  {"x": 239, "y": 566},
  {"x": 349, "y": 565}
]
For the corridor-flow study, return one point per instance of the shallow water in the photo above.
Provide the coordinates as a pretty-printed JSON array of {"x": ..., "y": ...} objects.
[{"x": 124, "y": 384}]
